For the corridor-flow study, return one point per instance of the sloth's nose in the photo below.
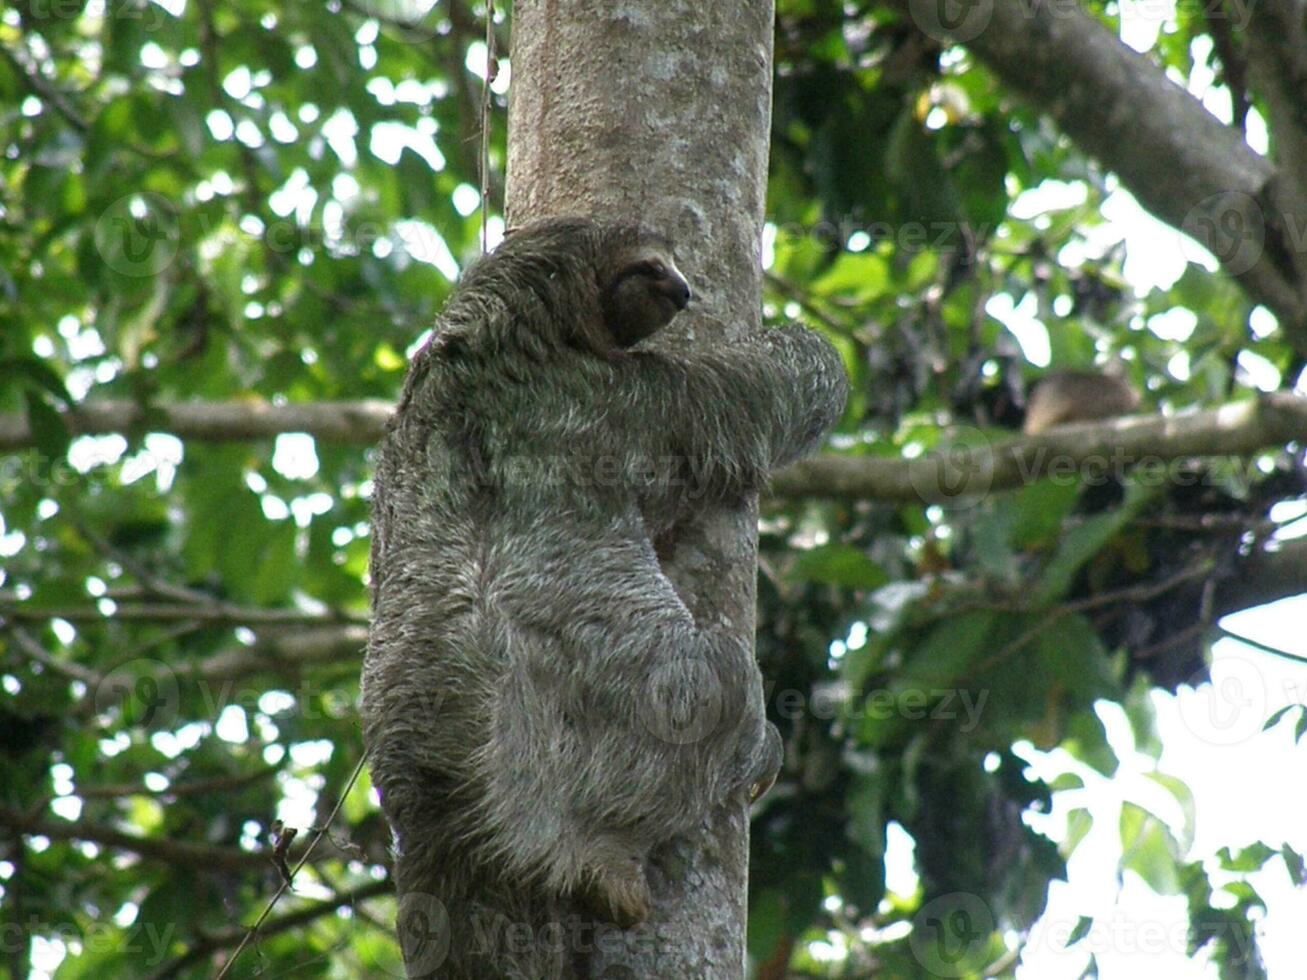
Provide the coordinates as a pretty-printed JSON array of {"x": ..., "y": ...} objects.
[{"x": 679, "y": 290}]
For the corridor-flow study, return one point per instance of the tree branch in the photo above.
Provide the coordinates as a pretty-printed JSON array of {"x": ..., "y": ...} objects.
[
  {"x": 1092, "y": 449},
  {"x": 227, "y": 938},
  {"x": 1179, "y": 160},
  {"x": 200, "y": 857},
  {"x": 359, "y": 422},
  {"x": 1264, "y": 577},
  {"x": 278, "y": 651},
  {"x": 219, "y": 613},
  {"x": 1276, "y": 42}
]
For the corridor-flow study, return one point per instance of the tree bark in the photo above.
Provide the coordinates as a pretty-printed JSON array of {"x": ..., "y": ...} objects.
[{"x": 659, "y": 111}]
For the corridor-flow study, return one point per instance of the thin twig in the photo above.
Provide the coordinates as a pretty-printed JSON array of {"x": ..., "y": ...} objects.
[{"x": 286, "y": 882}]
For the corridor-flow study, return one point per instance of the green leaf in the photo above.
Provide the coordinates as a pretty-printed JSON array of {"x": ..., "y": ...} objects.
[
  {"x": 1272, "y": 721},
  {"x": 276, "y": 568},
  {"x": 49, "y": 430},
  {"x": 949, "y": 651},
  {"x": 1294, "y": 861},
  {"x": 766, "y": 923},
  {"x": 37, "y": 373},
  {"x": 1149, "y": 850},
  {"x": 1081, "y": 930},
  {"x": 835, "y": 564},
  {"x": 1084, "y": 541}
]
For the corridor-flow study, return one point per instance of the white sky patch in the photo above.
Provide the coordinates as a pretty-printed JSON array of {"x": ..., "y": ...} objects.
[
  {"x": 308, "y": 507},
  {"x": 295, "y": 808},
  {"x": 1255, "y": 132},
  {"x": 68, "y": 807},
  {"x": 295, "y": 456},
  {"x": 153, "y": 56},
  {"x": 344, "y": 188},
  {"x": 272, "y": 702},
  {"x": 768, "y": 245},
  {"x": 1143, "y": 20},
  {"x": 1179, "y": 366},
  {"x": 1176, "y": 324},
  {"x": 389, "y": 139},
  {"x": 1289, "y": 514},
  {"x": 274, "y": 508},
  {"x": 424, "y": 244},
  {"x": 309, "y": 754},
  {"x": 339, "y": 131},
  {"x": 232, "y": 725},
  {"x": 1048, "y": 195},
  {"x": 1023, "y": 324},
  {"x": 281, "y": 128},
  {"x": 1255, "y": 370},
  {"x": 476, "y": 64},
  {"x": 11, "y": 543},
  {"x": 88, "y": 452},
  {"x": 220, "y": 125},
  {"x": 900, "y": 860},
  {"x": 295, "y": 196},
  {"x": 1156, "y": 254},
  {"x": 239, "y": 83},
  {"x": 249, "y": 134},
  {"x": 466, "y": 199},
  {"x": 1262, "y": 322}
]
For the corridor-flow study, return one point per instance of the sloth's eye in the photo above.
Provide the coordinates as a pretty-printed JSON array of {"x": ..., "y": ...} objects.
[{"x": 651, "y": 268}]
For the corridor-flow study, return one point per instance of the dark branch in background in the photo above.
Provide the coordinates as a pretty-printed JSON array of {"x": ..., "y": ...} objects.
[
  {"x": 282, "y": 652},
  {"x": 32, "y": 80},
  {"x": 217, "y": 613},
  {"x": 1099, "y": 448},
  {"x": 1235, "y": 429},
  {"x": 358, "y": 423},
  {"x": 228, "y": 938},
  {"x": 1264, "y": 577},
  {"x": 183, "y": 854},
  {"x": 1169, "y": 151},
  {"x": 1277, "y": 57},
  {"x": 1234, "y": 66}
]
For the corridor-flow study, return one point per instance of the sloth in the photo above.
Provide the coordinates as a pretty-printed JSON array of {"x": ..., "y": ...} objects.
[
  {"x": 540, "y": 708},
  {"x": 1065, "y": 397}
]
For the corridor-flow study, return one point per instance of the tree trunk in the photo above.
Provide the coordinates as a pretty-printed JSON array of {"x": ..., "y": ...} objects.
[{"x": 660, "y": 110}]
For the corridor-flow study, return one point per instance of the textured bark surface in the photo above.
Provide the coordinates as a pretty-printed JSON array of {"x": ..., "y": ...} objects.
[{"x": 659, "y": 110}]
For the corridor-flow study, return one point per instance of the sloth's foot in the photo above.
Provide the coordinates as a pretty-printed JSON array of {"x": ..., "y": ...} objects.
[{"x": 618, "y": 893}]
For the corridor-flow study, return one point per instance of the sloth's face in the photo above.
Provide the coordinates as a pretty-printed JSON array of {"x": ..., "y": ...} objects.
[{"x": 645, "y": 292}]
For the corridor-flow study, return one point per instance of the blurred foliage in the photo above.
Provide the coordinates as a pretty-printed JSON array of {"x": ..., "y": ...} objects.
[{"x": 258, "y": 201}]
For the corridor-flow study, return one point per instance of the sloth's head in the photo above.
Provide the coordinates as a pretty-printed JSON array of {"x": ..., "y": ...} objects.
[
  {"x": 642, "y": 292},
  {"x": 605, "y": 284}
]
